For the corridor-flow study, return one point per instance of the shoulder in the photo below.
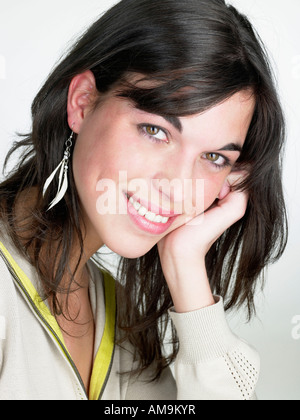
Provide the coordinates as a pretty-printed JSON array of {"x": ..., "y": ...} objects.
[
  {"x": 8, "y": 255},
  {"x": 8, "y": 306},
  {"x": 6, "y": 282},
  {"x": 7, "y": 288}
]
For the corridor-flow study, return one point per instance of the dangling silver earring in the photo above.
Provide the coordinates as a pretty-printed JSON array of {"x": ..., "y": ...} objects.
[{"x": 63, "y": 175}]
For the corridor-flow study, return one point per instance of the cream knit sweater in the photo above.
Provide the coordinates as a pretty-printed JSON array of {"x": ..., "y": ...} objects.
[{"x": 212, "y": 364}]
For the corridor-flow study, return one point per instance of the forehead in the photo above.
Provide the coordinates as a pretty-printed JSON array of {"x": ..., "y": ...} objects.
[
  {"x": 234, "y": 112},
  {"x": 227, "y": 122}
]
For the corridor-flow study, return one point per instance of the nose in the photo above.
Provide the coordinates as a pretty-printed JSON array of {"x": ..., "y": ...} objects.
[{"x": 180, "y": 185}]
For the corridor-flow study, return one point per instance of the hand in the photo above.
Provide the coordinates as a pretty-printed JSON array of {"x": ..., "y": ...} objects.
[
  {"x": 183, "y": 251},
  {"x": 196, "y": 237}
]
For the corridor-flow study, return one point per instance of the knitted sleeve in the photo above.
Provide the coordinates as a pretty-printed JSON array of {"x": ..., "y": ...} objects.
[{"x": 213, "y": 363}]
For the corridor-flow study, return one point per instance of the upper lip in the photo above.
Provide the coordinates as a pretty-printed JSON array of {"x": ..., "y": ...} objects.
[{"x": 152, "y": 207}]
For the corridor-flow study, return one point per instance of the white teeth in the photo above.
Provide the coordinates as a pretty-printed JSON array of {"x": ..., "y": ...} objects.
[
  {"x": 142, "y": 211},
  {"x": 137, "y": 206},
  {"x": 158, "y": 219},
  {"x": 152, "y": 217}
]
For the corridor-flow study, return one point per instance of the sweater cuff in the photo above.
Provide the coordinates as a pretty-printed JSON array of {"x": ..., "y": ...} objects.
[{"x": 204, "y": 335}]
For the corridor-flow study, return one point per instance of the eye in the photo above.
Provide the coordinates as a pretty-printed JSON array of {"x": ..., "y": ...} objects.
[
  {"x": 213, "y": 157},
  {"x": 154, "y": 133},
  {"x": 152, "y": 130},
  {"x": 217, "y": 160}
]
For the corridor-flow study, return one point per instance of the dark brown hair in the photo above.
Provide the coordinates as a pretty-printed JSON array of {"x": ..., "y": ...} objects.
[{"x": 213, "y": 50}]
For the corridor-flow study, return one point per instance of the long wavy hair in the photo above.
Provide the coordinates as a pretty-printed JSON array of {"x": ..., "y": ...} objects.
[{"x": 210, "y": 48}]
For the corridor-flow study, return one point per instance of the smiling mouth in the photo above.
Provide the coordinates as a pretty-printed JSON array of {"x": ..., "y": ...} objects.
[{"x": 147, "y": 214}]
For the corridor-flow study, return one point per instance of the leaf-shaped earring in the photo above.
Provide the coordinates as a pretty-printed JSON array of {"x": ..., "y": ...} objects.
[{"x": 63, "y": 175}]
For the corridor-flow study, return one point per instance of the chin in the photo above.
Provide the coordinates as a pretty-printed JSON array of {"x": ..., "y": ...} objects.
[
  {"x": 130, "y": 252},
  {"x": 131, "y": 255}
]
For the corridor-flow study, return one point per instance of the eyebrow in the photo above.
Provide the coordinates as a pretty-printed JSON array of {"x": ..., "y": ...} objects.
[
  {"x": 231, "y": 147},
  {"x": 174, "y": 121}
]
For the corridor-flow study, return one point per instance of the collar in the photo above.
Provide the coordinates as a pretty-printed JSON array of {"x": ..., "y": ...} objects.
[{"x": 104, "y": 355}]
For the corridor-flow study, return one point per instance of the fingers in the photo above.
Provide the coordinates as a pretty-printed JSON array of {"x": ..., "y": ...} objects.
[
  {"x": 233, "y": 180},
  {"x": 237, "y": 200},
  {"x": 233, "y": 207}
]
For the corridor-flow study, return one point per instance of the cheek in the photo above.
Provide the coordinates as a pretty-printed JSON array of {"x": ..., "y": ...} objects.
[
  {"x": 88, "y": 167},
  {"x": 100, "y": 169},
  {"x": 84, "y": 170},
  {"x": 95, "y": 158}
]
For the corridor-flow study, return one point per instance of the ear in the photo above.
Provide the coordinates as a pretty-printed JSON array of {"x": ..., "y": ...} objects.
[{"x": 81, "y": 96}]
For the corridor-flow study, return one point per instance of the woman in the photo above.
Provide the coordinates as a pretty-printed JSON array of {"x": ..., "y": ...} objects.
[{"x": 159, "y": 135}]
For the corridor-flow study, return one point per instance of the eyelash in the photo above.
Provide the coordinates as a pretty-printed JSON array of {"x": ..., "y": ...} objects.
[
  {"x": 143, "y": 127},
  {"x": 226, "y": 163}
]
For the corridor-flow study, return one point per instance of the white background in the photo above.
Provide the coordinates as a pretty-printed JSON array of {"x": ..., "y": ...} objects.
[{"x": 34, "y": 34}]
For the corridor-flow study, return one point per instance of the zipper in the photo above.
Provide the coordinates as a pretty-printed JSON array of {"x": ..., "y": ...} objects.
[
  {"x": 51, "y": 328},
  {"x": 108, "y": 372},
  {"x": 44, "y": 321}
]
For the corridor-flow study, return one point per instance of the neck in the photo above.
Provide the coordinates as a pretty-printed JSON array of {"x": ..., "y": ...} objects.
[{"x": 76, "y": 276}]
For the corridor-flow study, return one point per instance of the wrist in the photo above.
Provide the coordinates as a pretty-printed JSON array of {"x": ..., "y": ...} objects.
[{"x": 189, "y": 285}]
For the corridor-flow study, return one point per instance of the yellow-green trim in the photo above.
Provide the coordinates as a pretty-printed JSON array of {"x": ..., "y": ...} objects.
[
  {"x": 33, "y": 294},
  {"x": 104, "y": 355},
  {"x": 103, "y": 360}
]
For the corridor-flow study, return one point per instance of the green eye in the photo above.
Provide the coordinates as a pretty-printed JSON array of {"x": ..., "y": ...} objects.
[
  {"x": 212, "y": 157},
  {"x": 154, "y": 133},
  {"x": 152, "y": 130},
  {"x": 217, "y": 160}
]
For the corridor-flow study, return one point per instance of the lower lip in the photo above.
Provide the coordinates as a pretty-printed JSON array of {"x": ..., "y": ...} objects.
[{"x": 146, "y": 225}]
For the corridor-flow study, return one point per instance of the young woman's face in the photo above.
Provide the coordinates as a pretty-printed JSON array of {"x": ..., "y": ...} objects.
[{"x": 136, "y": 173}]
